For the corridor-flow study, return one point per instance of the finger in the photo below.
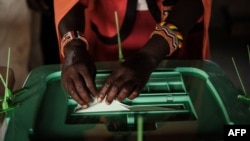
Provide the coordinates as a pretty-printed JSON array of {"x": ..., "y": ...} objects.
[
  {"x": 90, "y": 83},
  {"x": 70, "y": 88},
  {"x": 76, "y": 97},
  {"x": 112, "y": 93},
  {"x": 82, "y": 90},
  {"x": 125, "y": 91},
  {"x": 103, "y": 90},
  {"x": 122, "y": 94},
  {"x": 134, "y": 93}
]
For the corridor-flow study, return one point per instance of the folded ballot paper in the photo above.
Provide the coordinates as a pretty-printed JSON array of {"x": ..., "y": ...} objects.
[
  {"x": 119, "y": 106},
  {"x": 102, "y": 107}
]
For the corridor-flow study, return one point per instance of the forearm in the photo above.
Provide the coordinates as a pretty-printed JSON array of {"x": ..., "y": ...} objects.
[
  {"x": 74, "y": 20},
  {"x": 185, "y": 14},
  {"x": 157, "y": 48},
  {"x": 71, "y": 29}
]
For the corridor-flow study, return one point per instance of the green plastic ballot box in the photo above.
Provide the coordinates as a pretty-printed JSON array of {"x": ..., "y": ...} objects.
[{"x": 183, "y": 100}]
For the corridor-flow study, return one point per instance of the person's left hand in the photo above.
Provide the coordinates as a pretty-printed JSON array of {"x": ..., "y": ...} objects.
[
  {"x": 128, "y": 79},
  {"x": 39, "y": 5}
]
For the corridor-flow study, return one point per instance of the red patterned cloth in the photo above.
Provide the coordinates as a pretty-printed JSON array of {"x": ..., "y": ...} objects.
[{"x": 101, "y": 14}]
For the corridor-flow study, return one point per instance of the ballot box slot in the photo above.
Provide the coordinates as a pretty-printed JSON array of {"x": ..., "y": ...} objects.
[
  {"x": 127, "y": 120},
  {"x": 153, "y": 110},
  {"x": 159, "y": 82}
]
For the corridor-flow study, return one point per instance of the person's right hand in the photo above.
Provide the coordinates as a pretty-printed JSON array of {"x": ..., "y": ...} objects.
[{"x": 78, "y": 73}]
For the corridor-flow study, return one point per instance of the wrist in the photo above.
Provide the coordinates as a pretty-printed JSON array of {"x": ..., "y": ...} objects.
[
  {"x": 171, "y": 34},
  {"x": 75, "y": 51},
  {"x": 71, "y": 41}
]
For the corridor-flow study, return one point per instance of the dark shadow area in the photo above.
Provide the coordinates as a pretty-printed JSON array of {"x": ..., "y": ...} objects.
[{"x": 229, "y": 38}]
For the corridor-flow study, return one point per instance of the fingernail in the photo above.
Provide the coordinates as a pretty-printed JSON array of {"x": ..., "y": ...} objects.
[
  {"x": 99, "y": 99},
  {"x": 108, "y": 103},
  {"x": 85, "y": 106}
]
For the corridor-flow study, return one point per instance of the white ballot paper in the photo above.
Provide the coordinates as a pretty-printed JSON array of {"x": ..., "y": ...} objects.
[{"x": 102, "y": 107}]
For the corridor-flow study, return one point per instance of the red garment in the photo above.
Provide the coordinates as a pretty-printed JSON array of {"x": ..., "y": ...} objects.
[
  {"x": 141, "y": 31},
  {"x": 196, "y": 46}
]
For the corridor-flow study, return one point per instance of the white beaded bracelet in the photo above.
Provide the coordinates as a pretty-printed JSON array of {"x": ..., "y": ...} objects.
[{"x": 69, "y": 36}]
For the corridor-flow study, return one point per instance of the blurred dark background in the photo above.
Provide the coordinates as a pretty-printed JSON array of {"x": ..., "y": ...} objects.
[{"x": 229, "y": 38}]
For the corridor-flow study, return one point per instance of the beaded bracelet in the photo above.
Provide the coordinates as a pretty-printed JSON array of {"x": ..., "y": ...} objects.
[
  {"x": 171, "y": 34},
  {"x": 69, "y": 36}
]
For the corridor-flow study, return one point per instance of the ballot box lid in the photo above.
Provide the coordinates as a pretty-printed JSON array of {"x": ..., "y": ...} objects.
[{"x": 194, "y": 99}]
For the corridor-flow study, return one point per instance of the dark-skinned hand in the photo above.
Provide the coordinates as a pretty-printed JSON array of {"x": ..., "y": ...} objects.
[
  {"x": 128, "y": 79},
  {"x": 78, "y": 73}
]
